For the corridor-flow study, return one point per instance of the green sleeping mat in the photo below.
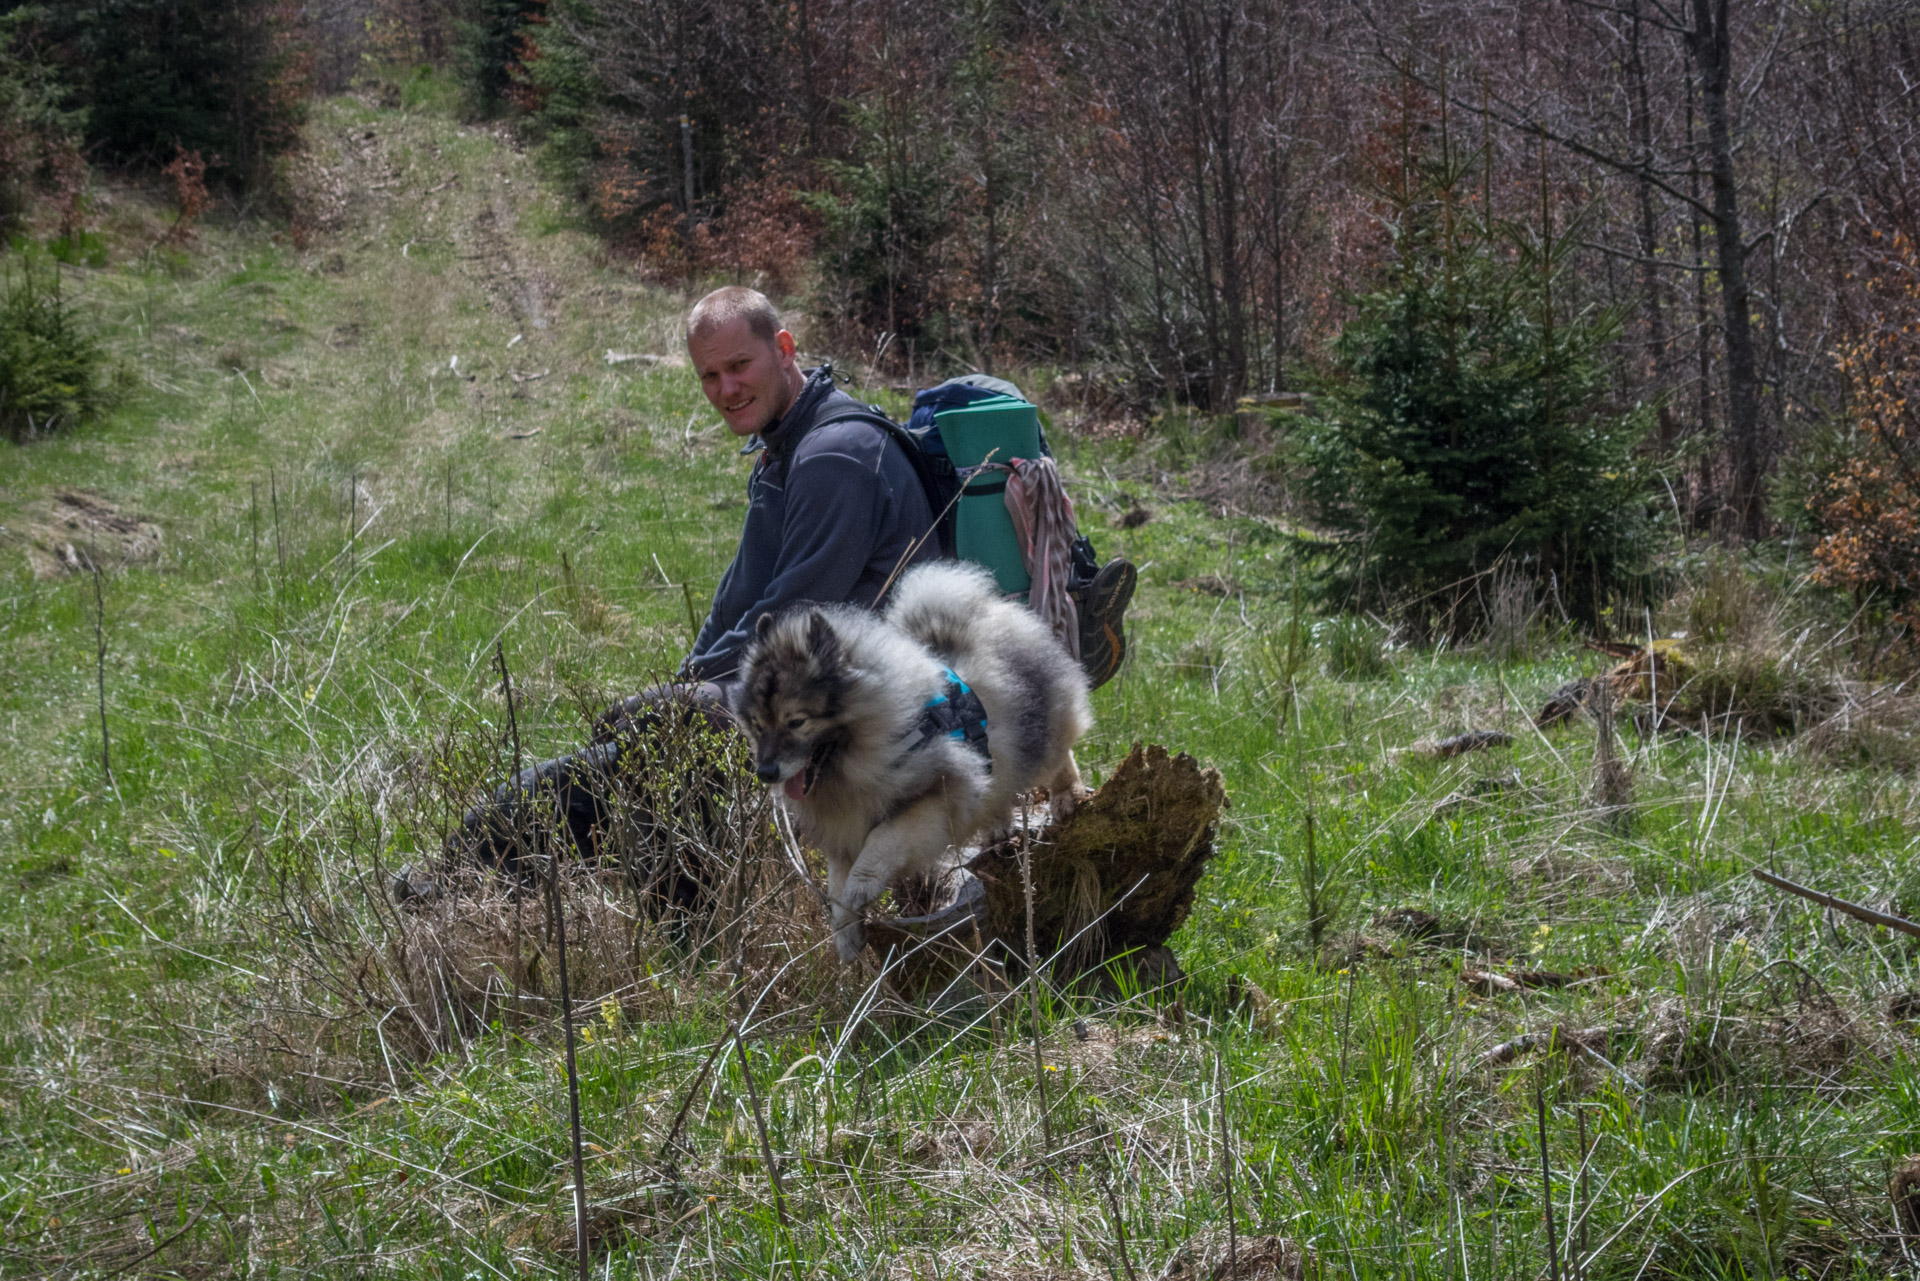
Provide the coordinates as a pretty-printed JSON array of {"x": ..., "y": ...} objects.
[{"x": 1006, "y": 429}]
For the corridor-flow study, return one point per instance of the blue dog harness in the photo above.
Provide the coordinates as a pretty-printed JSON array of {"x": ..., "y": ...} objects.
[{"x": 958, "y": 713}]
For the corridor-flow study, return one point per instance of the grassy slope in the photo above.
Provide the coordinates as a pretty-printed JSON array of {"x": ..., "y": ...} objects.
[{"x": 250, "y": 704}]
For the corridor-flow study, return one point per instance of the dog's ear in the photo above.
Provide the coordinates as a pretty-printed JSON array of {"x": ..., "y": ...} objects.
[
  {"x": 821, "y": 640},
  {"x": 763, "y": 628}
]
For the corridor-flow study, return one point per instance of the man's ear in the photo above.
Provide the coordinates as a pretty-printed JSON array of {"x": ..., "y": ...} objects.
[
  {"x": 784, "y": 342},
  {"x": 763, "y": 628}
]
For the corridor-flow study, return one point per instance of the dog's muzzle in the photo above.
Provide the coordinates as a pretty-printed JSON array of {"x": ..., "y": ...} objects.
[{"x": 799, "y": 783}]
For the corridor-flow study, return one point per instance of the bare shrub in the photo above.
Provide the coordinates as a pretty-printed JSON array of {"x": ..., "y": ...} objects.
[
  {"x": 1510, "y": 605},
  {"x": 1875, "y": 727},
  {"x": 357, "y": 988},
  {"x": 1724, "y": 604},
  {"x": 189, "y": 174},
  {"x": 765, "y": 237}
]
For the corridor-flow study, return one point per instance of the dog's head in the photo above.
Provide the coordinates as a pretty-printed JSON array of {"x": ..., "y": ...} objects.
[{"x": 792, "y": 698}]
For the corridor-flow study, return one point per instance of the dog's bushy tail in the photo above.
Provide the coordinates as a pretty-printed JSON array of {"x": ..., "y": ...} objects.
[{"x": 939, "y": 604}]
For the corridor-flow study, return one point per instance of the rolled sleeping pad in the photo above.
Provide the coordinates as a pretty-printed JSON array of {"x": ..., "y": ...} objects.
[{"x": 1006, "y": 429}]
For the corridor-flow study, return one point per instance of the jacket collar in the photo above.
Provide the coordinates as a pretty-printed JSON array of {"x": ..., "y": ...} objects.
[{"x": 782, "y": 437}]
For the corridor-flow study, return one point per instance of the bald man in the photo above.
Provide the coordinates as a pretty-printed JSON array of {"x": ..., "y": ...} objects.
[{"x": 834, "y": 506}]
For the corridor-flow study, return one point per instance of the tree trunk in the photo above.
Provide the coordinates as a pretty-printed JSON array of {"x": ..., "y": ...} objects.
[
  {"x": 806, "y": 84},
  {"x": 1652, "y": 286},
  {"x": 1111, "y": 884},
  {"x": 1711, "y": 43},
  {"x": 1199, "y": 137},
  {"x": 1227, "y": 163}
]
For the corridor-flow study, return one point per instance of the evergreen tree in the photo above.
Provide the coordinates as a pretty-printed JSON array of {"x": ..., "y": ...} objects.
[
  {"x": 494, "y": 40},
  {"x": 36, "y": 133},
  {"x": 1469, "y": 422},
  {"x": 221, "y": 77}
]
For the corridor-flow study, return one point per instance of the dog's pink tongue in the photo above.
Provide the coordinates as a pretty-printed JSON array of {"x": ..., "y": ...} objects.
[{"x": 796, "y": 786}]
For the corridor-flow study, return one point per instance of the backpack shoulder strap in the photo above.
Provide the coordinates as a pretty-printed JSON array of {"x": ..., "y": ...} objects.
[{"x": 938, "y": 488}]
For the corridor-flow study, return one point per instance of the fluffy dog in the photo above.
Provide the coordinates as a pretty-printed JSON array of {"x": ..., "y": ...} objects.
[{"x": 895, "y": 737}]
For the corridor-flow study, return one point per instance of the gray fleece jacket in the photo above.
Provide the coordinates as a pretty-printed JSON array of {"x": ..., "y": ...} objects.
[{"x": 830, "y": 513}]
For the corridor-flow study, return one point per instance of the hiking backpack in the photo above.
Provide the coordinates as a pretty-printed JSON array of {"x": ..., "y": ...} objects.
[{"x": 920, "y": 440}]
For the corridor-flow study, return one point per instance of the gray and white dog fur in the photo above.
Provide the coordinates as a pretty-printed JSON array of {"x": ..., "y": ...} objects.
[{"x": 832, "y": 696}]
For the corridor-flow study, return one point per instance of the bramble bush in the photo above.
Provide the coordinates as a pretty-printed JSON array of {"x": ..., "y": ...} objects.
[{"x": 1869, "y": 506}]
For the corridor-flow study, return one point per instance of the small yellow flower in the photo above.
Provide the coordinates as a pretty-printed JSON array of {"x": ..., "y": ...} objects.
[{"x": 125, "y": 1169}]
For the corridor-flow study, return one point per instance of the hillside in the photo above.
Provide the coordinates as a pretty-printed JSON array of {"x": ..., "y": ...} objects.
[{"x": 341, "y": 471}]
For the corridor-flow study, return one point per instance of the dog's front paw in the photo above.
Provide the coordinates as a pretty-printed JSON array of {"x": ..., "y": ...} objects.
[
  {"x": 1064, "y": 802},
  {"x": 851, "y": 939}
]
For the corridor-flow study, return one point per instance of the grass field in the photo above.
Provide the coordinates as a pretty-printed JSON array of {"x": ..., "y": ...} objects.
[{"x": 371, "y": 458}]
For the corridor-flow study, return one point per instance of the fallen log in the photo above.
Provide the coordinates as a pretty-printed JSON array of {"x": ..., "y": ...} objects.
[{"x": 1112, "y": 882}]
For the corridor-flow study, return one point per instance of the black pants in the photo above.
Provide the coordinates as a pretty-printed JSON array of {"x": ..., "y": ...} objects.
[{"x": 647, "y": 790}]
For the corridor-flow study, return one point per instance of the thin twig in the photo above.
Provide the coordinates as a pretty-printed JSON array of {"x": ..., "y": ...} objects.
[
  {"x": 766, "y": 1153},
  {"x": 686, "y": 1104},
  {"x": 254, "y": 512},
  {"x": 1113, "y": 1203},
  {"x": 353, "y": 518},
  {"x": 129, "y": 1266},
  {"x": 1546, "y": 1179},
  {"x": 1033, "y": 993},
  {"x": 573, "y": 1074},
  {"x": 100, "y": 638},
  {"x": 279, "y": 547},
  {"x": 1226, "y": 1163},
  {"x": 566, "y": 996},
  {"x": 1586, "y": 1200},
  {"x": 1855, "y": 910}
]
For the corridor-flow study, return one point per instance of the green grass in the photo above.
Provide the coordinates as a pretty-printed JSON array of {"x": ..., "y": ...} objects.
[{"x": 277, "y": 687}]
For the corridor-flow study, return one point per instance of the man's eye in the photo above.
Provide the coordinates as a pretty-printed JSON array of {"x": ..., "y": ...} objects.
[{"x": 796, "y": 722}]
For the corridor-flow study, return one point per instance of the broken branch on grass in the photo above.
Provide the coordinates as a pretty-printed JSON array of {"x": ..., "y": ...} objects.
[
  {"x": 1104, "y": 1173},
  {"x": 766, "y": 1152},
  {"x": 1560, "y": 1038},
  {"x": 1546, "y": 1178},
  {"x": 686, "y": 1104},
  {"x": 1855, "y": 910}
]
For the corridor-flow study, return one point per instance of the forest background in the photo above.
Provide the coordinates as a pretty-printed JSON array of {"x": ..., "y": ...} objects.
[{"x": 1186, "y": 205}]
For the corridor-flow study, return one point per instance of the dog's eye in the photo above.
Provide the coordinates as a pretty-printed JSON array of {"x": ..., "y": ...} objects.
[{"x": 796, "y": 722}]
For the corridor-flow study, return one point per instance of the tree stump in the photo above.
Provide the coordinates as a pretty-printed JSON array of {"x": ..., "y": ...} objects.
[{"x": 1111, "y": 883}]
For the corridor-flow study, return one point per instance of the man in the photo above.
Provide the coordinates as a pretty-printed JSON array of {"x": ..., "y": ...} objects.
[
  {"x": 834, "y": 509},
  {"x": 834, "y": 512}
]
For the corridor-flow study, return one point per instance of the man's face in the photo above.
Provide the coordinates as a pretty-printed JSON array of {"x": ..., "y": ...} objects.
[{"x": 749, "y": 380}]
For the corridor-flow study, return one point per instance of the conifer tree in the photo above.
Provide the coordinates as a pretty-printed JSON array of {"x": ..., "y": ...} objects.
[{"x": 1469, "y": 422}]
